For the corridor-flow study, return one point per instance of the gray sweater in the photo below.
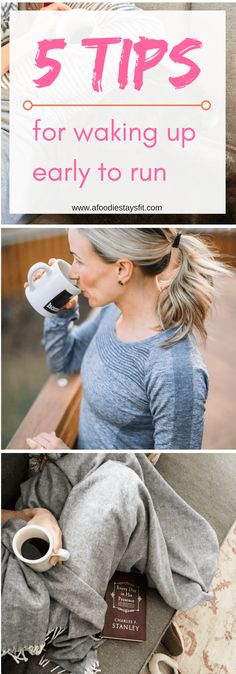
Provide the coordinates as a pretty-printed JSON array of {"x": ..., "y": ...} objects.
[{"x": 135, "y": 395}]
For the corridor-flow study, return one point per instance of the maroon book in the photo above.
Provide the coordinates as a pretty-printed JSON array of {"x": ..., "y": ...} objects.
[{"x": 126, "y": 607}]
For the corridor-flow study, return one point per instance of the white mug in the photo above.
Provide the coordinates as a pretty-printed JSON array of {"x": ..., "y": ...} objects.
[
  {"x": 30, "y": 532},
  {"x": 48, "y": 294}
]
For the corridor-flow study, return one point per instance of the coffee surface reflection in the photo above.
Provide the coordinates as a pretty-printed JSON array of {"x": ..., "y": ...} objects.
[{"x": 34, "y": 548}]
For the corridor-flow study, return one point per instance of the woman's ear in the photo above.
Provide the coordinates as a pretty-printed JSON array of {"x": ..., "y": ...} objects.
[{"x": 124, "y": 270}]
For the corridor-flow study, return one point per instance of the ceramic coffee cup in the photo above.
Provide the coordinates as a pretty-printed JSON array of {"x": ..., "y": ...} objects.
[
  {"x": 33, "y": 545},
  {"x": 48, "y": 294}
]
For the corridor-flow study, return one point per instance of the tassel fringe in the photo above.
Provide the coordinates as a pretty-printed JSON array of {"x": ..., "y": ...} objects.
[
  {"x": 93, "y": 669},
  {"x": 55, "y": 668},
  {"x": 20, "y": 655},
  {"x": 53, "y": 634}
]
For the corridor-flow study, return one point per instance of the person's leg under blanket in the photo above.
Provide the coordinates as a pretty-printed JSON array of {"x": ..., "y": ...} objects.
[{"x": 104, "y": 524}]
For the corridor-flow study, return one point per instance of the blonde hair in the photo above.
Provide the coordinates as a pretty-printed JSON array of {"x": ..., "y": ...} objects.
[{"x": 187, "y": 296}]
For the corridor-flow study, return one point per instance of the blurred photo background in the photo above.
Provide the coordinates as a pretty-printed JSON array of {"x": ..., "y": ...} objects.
[{"x": 24, "y": 367}]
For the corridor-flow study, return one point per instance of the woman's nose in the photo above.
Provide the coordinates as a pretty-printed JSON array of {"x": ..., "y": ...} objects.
[{"x": 73, "y": 272}]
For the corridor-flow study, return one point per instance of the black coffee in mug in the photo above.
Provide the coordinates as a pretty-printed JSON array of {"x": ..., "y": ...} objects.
[{"x": 34, "y": 548}]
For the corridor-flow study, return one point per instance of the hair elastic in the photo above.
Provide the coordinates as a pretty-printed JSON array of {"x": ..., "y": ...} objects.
[{"x": 177, "y": 240}]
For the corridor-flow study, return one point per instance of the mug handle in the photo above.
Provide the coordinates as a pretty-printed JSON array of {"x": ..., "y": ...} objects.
[
  {"x": 35, "y": 267},
  {"x": 62, "y": 553}
]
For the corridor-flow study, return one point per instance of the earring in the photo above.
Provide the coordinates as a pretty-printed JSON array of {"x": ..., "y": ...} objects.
[{"x": 120, "y": 282}]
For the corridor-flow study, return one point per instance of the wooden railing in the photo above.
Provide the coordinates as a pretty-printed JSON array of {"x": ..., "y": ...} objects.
[{"x": 56, "y": 408}]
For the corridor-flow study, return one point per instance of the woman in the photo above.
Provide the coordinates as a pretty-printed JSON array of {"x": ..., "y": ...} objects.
[
  {"x": 115, "y": 511},
  {"x": 144, "y": 382}
]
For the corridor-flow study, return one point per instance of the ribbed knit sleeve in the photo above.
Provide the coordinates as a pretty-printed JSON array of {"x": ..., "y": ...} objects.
[{"x": 177, "y": 386}]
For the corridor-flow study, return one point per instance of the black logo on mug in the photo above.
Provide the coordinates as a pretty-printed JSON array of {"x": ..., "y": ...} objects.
[{"x": 58, "y": 302}]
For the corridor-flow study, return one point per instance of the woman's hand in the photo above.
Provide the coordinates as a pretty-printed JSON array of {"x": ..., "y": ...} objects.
[
  {"x": 23, "y": 514},
  {"x": 46, "y": 441},
  {"x": 43, "y": 518},
  {"x": 72, "y": 304}
]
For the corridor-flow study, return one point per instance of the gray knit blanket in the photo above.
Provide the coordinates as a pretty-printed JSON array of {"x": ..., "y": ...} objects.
[{"x": 115, "y": 512}]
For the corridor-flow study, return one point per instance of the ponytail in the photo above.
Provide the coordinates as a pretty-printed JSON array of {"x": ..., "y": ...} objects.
[{"x": 186, "y": 300}]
